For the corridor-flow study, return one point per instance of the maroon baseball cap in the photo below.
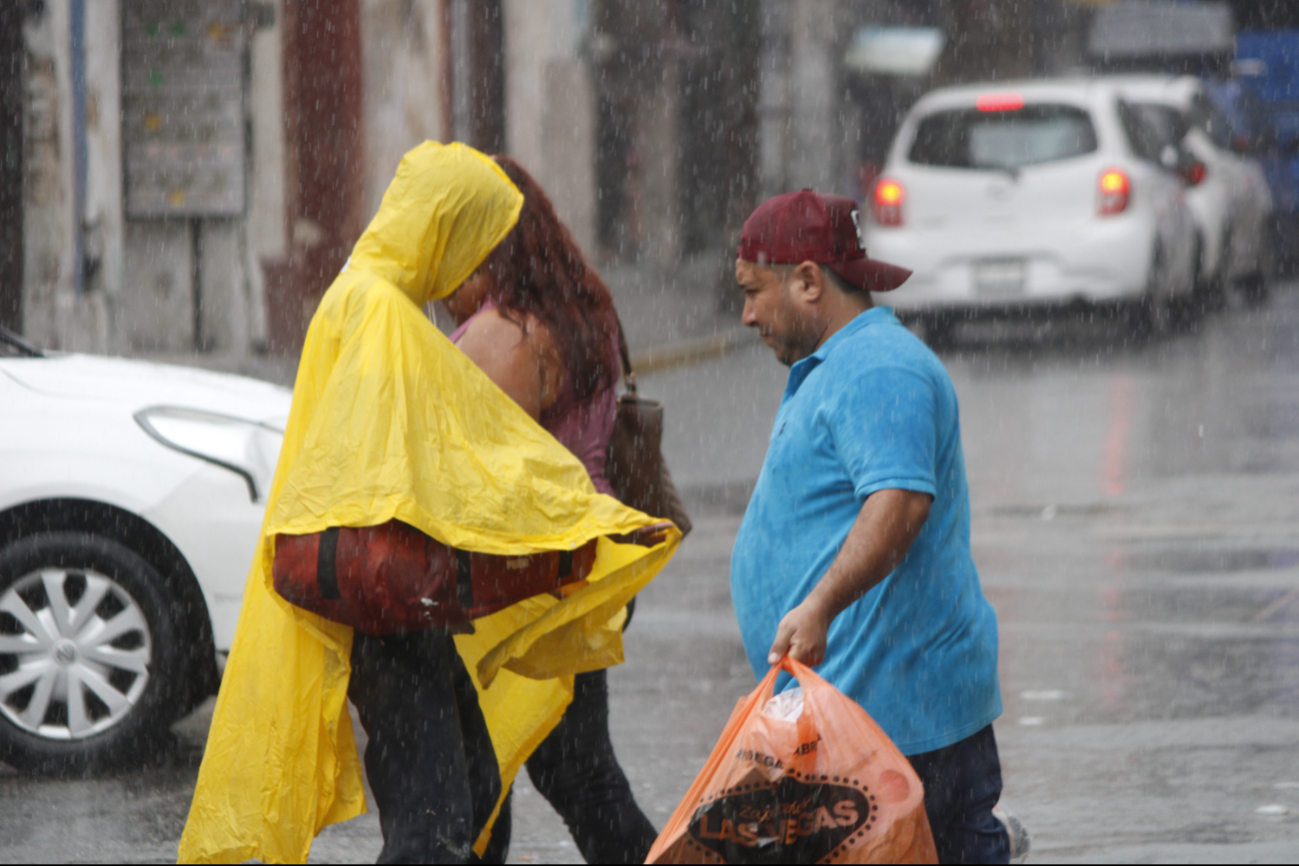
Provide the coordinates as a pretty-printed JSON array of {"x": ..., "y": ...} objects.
[{"x": 809, "y": 226}]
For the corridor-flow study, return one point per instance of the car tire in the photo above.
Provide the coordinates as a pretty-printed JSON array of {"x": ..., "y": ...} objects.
[
  {"x": 1255, "y": 290},
  {"x": 1152, "y": 315},
  {"x": 1207, "y": 292},
  {"x": 91, "y": 672},
  {"x": 1190, "y": 307}
]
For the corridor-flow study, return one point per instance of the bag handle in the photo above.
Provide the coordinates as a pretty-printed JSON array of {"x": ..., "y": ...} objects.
[
  {"x": 628, "y": 374},
  {"x": 807, "y": 681}
]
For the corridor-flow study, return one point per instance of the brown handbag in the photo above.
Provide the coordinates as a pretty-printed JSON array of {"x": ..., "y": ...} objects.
[{"x": 635, "y": 466}]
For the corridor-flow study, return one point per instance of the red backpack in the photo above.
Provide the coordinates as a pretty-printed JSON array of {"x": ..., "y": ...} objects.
[{"x": 392, "y": 578}]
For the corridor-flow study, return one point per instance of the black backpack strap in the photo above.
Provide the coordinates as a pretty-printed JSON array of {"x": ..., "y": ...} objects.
[
  {"x": 326, "y": 564},
  {"x": 465, "y": 579}
]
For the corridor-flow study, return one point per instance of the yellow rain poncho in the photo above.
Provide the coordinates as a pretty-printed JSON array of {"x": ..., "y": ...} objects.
[{"x": 390, "y": 420}]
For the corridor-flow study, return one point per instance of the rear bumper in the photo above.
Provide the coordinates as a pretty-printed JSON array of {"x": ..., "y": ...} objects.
[{"x": 1103, "y": 260}]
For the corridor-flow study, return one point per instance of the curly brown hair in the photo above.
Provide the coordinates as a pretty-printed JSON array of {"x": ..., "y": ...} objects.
[{"x": 539, "y": 270}]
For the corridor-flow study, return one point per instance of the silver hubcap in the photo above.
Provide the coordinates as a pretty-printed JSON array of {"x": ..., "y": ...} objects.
[{"x": 74, "y": 653}]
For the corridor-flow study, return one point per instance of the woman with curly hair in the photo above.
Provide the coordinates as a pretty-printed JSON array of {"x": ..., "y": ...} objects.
[{"x": 539, "y": 321}]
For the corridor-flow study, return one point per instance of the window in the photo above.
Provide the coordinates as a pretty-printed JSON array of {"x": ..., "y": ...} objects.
[
  {"x": 1011, "y": 139},
  {"x": 1142, "y": 137},
  {"x": 1167, "y": 123},
  {"x": 1208, "y": 117}
]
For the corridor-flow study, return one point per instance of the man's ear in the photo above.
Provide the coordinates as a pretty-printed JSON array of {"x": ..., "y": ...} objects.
[{"x": 812, "y": 280}]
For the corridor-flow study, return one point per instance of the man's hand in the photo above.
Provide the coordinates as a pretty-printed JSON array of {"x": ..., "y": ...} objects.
[{"x": 802, "y": 634}]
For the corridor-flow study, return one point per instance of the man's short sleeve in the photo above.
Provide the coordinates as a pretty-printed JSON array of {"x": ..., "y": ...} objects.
[{"x": 885, "y": 425}]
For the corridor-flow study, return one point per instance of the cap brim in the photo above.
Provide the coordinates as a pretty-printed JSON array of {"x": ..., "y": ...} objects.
[{"x": 870, "y": 274}]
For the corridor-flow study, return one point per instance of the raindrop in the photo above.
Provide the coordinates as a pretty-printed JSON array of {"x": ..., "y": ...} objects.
[
  {"x": 1272, "y": 809},
  {"x": 1032, "y": 721}
]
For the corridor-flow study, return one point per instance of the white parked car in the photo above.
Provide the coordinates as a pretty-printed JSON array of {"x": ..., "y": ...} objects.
[
  {"x": 131, "y": 497},
  {"x": 1230, "y": 199},
  {"x": 1019, "y": 195}
]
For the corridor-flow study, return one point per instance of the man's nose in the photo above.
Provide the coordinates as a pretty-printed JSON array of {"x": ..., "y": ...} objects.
[{"x": 748, "y": 317}]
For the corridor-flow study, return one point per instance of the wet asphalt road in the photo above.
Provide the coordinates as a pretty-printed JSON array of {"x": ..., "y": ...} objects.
[{"x": 1136, "y": 525}]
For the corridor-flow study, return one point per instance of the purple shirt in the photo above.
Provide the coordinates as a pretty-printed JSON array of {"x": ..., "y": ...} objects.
[{"x": 584, "y": 427}]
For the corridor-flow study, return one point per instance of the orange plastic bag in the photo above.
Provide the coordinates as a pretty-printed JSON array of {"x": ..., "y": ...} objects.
[{"x": 826, "y": 787}]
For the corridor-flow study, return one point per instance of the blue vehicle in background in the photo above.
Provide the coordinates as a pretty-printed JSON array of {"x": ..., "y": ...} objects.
[{"x": 1262, "y": 104}]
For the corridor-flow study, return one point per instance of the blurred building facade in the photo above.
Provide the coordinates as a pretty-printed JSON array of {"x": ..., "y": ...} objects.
[{"x": 184, "y": 175}]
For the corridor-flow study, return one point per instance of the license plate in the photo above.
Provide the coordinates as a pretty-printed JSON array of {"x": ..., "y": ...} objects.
[{"x": 999, "y": 277}]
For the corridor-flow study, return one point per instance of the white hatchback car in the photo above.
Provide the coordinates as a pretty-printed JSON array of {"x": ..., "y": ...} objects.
[
  {"x": 1021, "y": 195},
  {"x": 1230, "y": 199},
  {"x": 131, "y": 497}
]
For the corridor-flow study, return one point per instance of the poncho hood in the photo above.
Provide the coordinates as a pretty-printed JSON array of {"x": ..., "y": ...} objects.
[{"x": 446, "y": 209}]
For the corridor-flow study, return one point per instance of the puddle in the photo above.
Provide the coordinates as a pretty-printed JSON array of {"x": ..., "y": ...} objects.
[{"x": 1184, "y": 561}]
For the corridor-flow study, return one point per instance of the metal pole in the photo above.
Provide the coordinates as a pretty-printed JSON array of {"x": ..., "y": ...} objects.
[
  {"x": 81, "y": 158},
  {"x": 196, "y": 278}
]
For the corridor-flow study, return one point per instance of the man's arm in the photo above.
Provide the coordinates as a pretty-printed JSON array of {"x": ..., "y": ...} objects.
[{"x": 884, "y": 531}]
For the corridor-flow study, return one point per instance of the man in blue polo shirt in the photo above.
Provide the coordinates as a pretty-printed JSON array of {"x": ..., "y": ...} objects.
[{"x": 854, "y": 553}]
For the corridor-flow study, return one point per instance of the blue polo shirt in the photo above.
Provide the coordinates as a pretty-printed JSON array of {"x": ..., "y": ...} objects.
[{"x": 874, "y": 409}]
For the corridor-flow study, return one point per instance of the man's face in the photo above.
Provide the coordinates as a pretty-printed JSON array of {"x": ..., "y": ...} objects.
[{"x": 771, "y": 305}]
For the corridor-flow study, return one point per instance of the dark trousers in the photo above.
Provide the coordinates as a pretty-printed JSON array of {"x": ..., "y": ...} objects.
[
  {"x": 962, "y": 784},
  {"x": 575, "y": 770},
  {"x": 429, "y": 760}
]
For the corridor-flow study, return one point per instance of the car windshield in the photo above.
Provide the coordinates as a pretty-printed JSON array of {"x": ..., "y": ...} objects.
[{"x": 1007, "y": 139}]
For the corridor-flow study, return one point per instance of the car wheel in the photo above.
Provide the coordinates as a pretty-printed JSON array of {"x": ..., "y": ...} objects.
[
  {"x": 1255, "y": 290},
  {"x": 1207, "y": 294},
  {"x": 1152, "y": 314},
  {"x": 1189, "y": 307},
  {"x": 90, "y": 671}
]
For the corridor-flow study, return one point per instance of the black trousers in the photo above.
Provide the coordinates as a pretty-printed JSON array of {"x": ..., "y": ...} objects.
[
  {"x": 575, "y": 770},
  {"x": 962, "y": 784},
  {"x": 430, "y": 760}
]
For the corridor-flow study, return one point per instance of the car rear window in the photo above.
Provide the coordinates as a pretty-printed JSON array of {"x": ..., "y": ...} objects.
[
  {"x": 1031, "y": 135},
  {"x": 1148, "y": 129},
  {"x": 1168, "y": 124}
]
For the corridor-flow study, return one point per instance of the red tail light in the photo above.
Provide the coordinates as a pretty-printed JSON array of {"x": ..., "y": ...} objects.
[
  {"x": 1115, "y": 192},
  {"x": 999, "y": 102},
  {"x": 889, "y": 195},
  {"x": 1196, "y": 174}
]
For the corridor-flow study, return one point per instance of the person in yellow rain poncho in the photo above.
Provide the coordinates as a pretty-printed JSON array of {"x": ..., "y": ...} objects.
[{"x": 391, "y": 421}]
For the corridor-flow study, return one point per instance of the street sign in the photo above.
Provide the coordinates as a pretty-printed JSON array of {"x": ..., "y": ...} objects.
[{"x": 183, "y": 107}]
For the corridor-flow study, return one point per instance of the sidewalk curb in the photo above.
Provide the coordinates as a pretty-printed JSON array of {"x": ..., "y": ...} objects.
[{"x": 669, "y": 355}]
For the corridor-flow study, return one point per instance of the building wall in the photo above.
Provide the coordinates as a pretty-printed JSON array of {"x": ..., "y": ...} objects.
[
  {"x": 267, "y": 225},
  {"x": 402, "y": 74},
  {"x": 338, "y": 90},
  {"x": 134, "y": 288},
  {"x": 549, "y": 106},
  {"x": 48, "y": 241},
  {"x": 94, "y": 321}
]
